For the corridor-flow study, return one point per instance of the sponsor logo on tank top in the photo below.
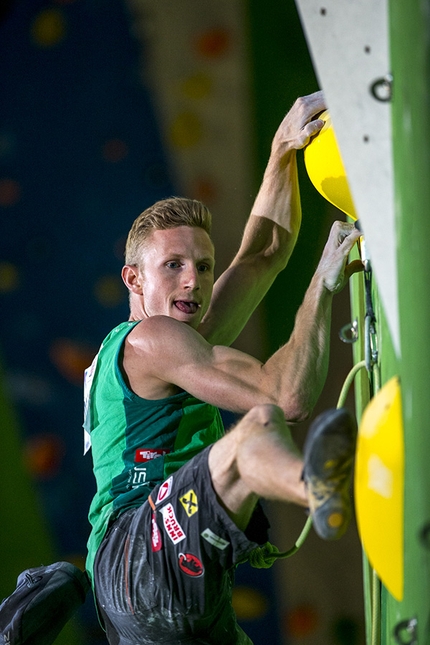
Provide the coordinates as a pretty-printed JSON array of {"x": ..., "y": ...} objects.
[
  {"x": 136, "y": 477},
  {"x": 148, "y": 454},
  {"x": 164, "y": 490},
  {"x": 88, "y": 381},
  {"x": 190, "y": 564},
  {"x": 173, "y": 529}
]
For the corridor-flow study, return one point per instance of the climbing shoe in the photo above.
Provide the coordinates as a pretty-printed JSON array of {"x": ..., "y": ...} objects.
[
  {"x": 328, "y": 463},
  {"x": 44, "y": 600}
]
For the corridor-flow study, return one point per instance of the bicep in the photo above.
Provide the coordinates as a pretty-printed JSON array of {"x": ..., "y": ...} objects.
[{"x": 219, "y": 375}]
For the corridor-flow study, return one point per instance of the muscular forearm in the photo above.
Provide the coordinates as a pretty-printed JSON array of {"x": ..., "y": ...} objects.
[
  {"x": 279, "y": 199},
  {"x": 299, "y": 368},
  {"x": 278, "y": 202}
]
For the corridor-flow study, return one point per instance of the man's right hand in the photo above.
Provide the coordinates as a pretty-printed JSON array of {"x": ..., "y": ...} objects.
[{"x": 299, "y": 125}]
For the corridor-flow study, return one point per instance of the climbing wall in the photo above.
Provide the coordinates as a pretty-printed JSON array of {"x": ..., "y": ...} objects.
[{"x": 363, "y": 56}]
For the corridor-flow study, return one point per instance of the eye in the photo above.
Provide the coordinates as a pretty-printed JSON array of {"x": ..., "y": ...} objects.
[
  {"x": 173, "y": 264},
  {"x": 202, "y": 268}
]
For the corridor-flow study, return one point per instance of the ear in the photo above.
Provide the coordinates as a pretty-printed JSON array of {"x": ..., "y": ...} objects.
[{"x": 132, "y": 278}]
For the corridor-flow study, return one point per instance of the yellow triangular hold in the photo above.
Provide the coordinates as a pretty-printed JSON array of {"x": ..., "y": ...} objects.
[{"x": 325, "y": 168}]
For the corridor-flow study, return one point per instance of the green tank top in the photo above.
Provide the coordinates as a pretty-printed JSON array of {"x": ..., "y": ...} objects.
[{"x": 136, "y": 443}]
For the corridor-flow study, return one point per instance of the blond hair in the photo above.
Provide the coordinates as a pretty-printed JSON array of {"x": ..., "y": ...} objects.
[{"x": 165, "y": 214}]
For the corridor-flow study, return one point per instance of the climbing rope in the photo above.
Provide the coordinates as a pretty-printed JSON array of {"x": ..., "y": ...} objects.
[
  {"x": 348, "y": 382},
  {"x": 264, "y": 556}
]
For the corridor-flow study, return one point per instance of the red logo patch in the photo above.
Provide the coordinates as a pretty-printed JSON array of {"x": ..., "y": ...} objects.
[
  {"x": 190, "y": 564},
  {"x": 148, "y": 454},
  {"x": 156, "y": 535}
]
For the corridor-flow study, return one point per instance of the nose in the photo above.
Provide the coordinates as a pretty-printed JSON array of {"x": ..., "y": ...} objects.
[{"x": 191, "y": 277}]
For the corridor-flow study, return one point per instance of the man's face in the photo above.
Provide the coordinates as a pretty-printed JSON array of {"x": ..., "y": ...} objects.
[{"x": 178, "y": 274}]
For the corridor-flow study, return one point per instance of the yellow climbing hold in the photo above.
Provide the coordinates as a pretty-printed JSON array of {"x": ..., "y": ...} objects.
[
  {"x": 379, "y": 485},
  {"x": 325, "y": 168}
]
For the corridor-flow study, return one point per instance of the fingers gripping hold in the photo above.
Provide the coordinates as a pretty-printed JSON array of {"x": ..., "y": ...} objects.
[
  {"x": 299, "y": 125},
  {"x": 333, "y": 267},
  {"x": 309, "y": 130}
]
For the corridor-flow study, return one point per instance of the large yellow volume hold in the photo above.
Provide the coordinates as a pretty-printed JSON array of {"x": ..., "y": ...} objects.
[{"x": 325, "y": 168}]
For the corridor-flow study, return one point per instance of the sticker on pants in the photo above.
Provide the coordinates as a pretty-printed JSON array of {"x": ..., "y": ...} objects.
[
  {"x": 190, "y": 564},
  {"x": 156, "y": 535},
  {"x": 189, "y": 502},
  {"x": 173, "y": 529},
  {"x": 215, "y": 539},
  {"x": 164, "y": 490}
]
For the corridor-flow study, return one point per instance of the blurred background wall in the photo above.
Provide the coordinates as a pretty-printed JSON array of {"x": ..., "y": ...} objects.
[{"x": 105, "y": 107}]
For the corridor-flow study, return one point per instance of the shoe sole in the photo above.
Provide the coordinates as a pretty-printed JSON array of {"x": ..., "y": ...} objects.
[{"x": 329, "y": 458}]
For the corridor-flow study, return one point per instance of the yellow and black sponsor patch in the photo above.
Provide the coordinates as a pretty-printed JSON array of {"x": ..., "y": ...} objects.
[{"x": 189, "y": 502}]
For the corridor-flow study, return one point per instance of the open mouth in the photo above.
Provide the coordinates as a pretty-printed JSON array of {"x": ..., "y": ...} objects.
[{"x": 186, "y": 307}]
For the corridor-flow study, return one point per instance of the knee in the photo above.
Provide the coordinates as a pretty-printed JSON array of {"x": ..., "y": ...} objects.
[
  {"x": 265, "y": 415},
  {"x": 259, "y": 421}
]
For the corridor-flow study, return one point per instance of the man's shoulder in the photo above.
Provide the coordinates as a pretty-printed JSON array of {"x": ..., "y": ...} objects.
[
  {"x": 155, "y": 333},
  {"x": 151, "y": 351},
  {"x": 159, "y": 325},
  {"x": 156, "y": 326}
]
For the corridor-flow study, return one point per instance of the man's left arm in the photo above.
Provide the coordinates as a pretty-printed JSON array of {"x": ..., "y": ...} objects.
[{"x": 271, "y": 231}]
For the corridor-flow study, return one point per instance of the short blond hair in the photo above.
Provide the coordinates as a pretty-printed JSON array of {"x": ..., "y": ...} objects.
[{"x": 165, "y": 214}]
